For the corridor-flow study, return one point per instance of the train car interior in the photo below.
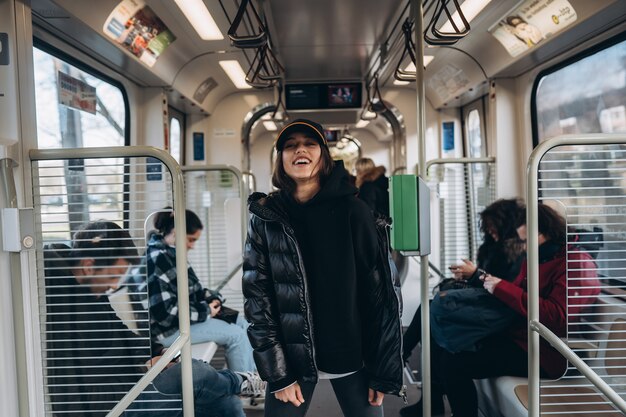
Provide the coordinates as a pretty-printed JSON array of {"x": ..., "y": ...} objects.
[{"x": 119, "y": 110}]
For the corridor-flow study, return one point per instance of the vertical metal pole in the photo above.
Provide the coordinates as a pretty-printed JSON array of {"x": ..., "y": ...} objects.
[
  {"x": 418, "y": 18},
  {"x": 178, "y": 186},
  {"x": 532, "y": 242},
  {"x": 8, "y": 184}
]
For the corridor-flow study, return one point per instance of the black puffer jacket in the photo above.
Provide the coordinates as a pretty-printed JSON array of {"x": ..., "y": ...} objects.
[{"x": 279, "y": 308}]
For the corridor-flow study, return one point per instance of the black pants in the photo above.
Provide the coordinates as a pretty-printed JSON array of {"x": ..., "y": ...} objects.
[
  {"x": 351, "y": 392},
  {"x": 498, "y": 356},
  {"x": 412, "y": 335}
]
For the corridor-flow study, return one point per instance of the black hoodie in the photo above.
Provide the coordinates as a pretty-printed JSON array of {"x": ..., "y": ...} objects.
[{"x": 337, "y": 239}]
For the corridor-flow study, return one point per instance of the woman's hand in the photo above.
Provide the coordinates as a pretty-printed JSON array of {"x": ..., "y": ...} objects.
[
  {"x": 215, "y": 307},
  {"x": 464, "y": 270},
  {"x": 292, "y": 394},
  {"x": 490, "y": 283},
  {"x": 375, "y": 398}
]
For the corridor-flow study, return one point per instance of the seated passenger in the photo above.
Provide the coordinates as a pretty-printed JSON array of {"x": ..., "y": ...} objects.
[
  {"x": 93, "y": 359},
  {"x": 205, "y": 305},
  {"x": 506, "y": 353},
  {"x": 373, "y": 185},
  {"x": 500, "y": 254}
]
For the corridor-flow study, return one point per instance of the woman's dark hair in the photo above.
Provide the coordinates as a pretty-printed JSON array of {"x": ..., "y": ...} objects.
[
  {"x": 104, "y": 242},
  {"x": 283, "y": 182},
  {"x": 164, "y": 222},
  {"x": 501, "y": 216},
  {"x": 514, "y": 20},
  {"x": 551, "y": 224}
]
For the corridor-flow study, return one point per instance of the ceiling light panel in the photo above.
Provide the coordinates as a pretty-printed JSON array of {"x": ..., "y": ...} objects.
[
  {"x": 233, "y": 69},
  {"x": 200, "y": 18}
]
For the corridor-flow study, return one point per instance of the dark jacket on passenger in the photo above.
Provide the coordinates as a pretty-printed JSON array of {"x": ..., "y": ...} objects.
[
  {"x": 93, "y": 359},
  {"x": 318, "y": 294},
  {"x": 374, "y": 189}
]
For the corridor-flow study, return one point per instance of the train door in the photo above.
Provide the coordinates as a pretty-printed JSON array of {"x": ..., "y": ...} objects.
[{"x": 475, "y": 139}]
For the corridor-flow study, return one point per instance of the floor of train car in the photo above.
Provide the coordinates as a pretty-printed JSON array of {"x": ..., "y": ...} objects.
[{"x": 324, "y": 403}]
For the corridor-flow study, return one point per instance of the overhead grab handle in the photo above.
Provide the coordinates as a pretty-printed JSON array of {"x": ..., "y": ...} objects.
[
  {"x": 446, "y": 38},
  {"x": 366, "y": 109},
  {"x": 376, "y": 104},
  {"x": 409, "y": 47},
  {"x": 249, "y": 41},
  {"x": 272, "y": 67},
  {"x": 253, "y": 77}
]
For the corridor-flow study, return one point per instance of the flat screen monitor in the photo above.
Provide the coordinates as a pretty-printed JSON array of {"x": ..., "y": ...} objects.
[
  {"x": 302, "y": 96},
  {"x": 344, "y": 95},
  {"x": 331, "y": 135},
  {"x": 323, "y": 96}
]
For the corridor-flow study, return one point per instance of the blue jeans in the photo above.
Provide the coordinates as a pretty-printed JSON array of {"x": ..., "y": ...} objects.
[
  {"x": 215, "y": 393},
  {"x": 233, "y": 337}
]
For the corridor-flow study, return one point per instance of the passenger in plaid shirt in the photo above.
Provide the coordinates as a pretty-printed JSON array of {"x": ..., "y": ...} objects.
[{"x": 208, "y": 321}]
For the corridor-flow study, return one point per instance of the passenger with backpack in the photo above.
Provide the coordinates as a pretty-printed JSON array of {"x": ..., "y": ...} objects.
[
  {"x": 505, "y": 353},
  {"x": 500, "y": 254}
]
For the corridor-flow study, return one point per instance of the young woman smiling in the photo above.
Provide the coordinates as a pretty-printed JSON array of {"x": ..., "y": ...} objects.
[{"x": 310, "y": 279}]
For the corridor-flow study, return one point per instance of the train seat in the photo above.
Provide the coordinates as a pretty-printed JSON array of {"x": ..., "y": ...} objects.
[
  {"x": 497, "y": 398},
  {"x": 508, "y": 396}
]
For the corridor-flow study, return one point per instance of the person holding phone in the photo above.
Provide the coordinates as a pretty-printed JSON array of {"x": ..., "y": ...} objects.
[
  {"x": 500, "y": 254},
  {"x": 506, "y": 353},
  {"x": 211, "y": 321}
]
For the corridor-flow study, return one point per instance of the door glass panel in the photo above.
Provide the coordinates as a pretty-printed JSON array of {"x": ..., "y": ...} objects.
[{"x": 100, "y": 122}]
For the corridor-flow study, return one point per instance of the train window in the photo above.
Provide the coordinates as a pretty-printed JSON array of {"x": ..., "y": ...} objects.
[
  {"x": 177, "y": 133},
  {"x": 175, "y": 139},
  {"x": 76, "y": 109},
  {"x": 585, "y": 96},
  {"x": 474, "y": 135},
  {"x": 474, "y": 129},
  {"x": 61, "y": 90}
]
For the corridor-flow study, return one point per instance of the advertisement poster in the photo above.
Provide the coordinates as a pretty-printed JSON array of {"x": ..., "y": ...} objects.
[
  {"x": 135, "y": 27},
  {"x": 75, "y": 93},
  {"x": 448, "y": 136},
  {"x": 531, "y": 23}
]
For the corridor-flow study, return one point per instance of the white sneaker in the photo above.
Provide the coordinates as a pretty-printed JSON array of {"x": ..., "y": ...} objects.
[{"x": 252, "y": 385}]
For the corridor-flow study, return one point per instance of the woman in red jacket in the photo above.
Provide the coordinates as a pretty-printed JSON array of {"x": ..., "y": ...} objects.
[{"x": 506, "y": 353}]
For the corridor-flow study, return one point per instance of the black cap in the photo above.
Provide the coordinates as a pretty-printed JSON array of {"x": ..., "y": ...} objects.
[{"x": 313, "y": 129}]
